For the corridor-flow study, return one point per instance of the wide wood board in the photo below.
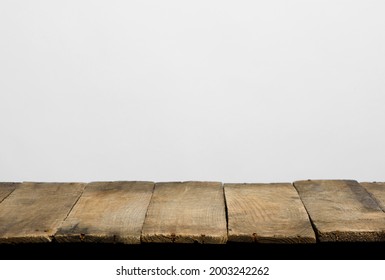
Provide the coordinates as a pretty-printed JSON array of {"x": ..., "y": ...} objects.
[
  {"x": 342, "y": 210},
  {"x": 108, "y": 212},
  {"x": 186, "y": 212},
  {"x": 377, "y": 191},
  {"x": 267, "y": 213},
  {"x": 34, "y": 211}
]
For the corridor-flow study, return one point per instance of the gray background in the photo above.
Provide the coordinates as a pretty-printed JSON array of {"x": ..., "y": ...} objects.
[{"x": 235, "y": 91}]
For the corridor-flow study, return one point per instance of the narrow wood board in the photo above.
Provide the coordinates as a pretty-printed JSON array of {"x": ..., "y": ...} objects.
[
  {"x": 6, "y": 189},
  {"x": 377, "y": 191},
  {"x": 111, "y": 212},
  {"x": 186, "y": 212},
  {"x": 33, "y": 211},
  {"x": 266, "y": 213},
  {"x": 342, "y": 210}
]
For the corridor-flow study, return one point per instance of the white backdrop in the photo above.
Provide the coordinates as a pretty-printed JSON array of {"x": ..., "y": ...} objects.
[{"x": 234, "y": 91}]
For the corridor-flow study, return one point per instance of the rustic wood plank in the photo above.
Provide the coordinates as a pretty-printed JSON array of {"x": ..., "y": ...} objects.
[
  {"x": 342, "y": 210},
  {"x": 266, "y": 213},
  {"x": 377, "y": 191},
  {"x": 6, "y": 189},
  {"x": 186, "y": 212},
  {"x": 111, "y": 212},
  {"x": 34, "y": 211}
]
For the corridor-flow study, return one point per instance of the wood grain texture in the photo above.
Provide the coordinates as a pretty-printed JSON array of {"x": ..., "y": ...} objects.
[
  {"x": 342, "y": 210},
  {"x": 186, "y": 212},
  {"x": 108, "y": 212},
  {"x": 6, "y": 189},
  {"x": 377, "y": 191},
  {"x": 266, "y": 213},
  {"x": 34, "y": 211}
]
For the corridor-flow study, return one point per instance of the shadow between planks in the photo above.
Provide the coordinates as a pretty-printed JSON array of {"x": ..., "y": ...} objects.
[{"x": 196, "y": 216}]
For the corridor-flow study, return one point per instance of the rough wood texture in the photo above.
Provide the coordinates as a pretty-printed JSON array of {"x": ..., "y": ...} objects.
[
  {"x": 342, "y": 210},
  {"x": 34, "y": 211},
  {"x": 188, "y": 212},
  {"x": 377, "y": 191},
  {"x": 266, "y": 213},
  {"x": 108, "y": 212},
  {"x": 6, "y": 189}
]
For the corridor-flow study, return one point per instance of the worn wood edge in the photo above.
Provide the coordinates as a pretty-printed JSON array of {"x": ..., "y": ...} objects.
[
  {"x": 190, "y": 183},
  {"x": 172, "y": 238},
  {"x": 95, "y": 238},
  {"x": 299, "y": 183},
  {"x": 276, "y": 239},
  {"x": 96, "y": 183},
  {"x": 53, "y": 182},
  {"x": 351, "y": 236},
  {"x": 237, "y": 185},
  {"x": 26, "y": 239}
]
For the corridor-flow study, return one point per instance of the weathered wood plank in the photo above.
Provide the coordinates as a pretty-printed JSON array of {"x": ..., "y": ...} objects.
[
  {"x": 34, "y": 211},
  {"x": 186, "y": 212},
  {"x": 377, "y": 190},
  {"x": 342, "y": 210},
  {"x": 266, "y": 213},
  {"x": 6, "y": 189},
  {"x": 108, "y": 212}
]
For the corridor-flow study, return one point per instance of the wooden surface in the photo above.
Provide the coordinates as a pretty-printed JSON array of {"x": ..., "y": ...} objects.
[
  {"x": 342, "y": 210},
  {"x": 188, "y": 212},
  {"x": 377, "y": 191},
  {"x": 108, "y": 212},
  {"x": 266, "y": 213},
  {"x": 6, "y": 189},
  {"x": 34, "y": 211},
  {"x": 192, "y": 212}
]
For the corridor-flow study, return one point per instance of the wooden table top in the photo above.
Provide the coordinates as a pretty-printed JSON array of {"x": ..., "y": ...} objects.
[{"x": 134, "y": 212}]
